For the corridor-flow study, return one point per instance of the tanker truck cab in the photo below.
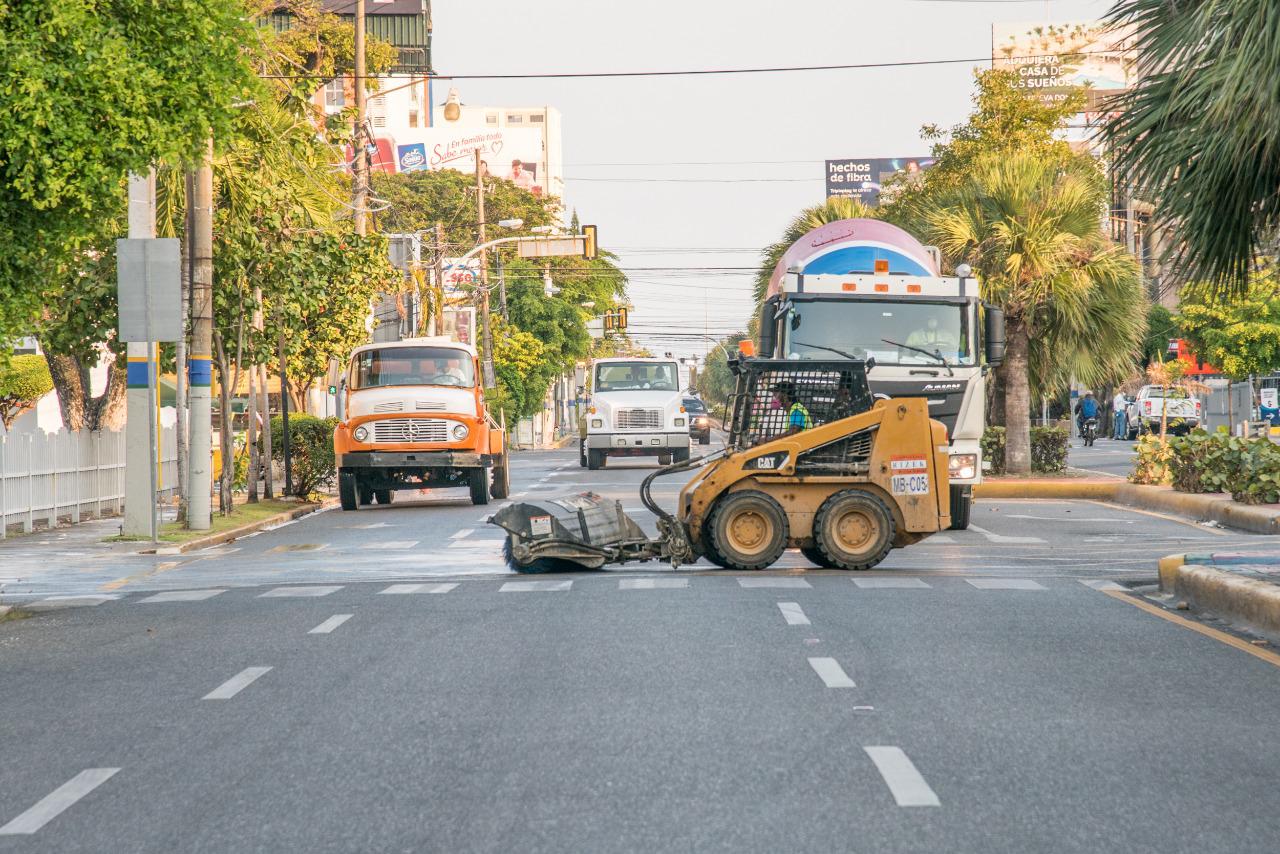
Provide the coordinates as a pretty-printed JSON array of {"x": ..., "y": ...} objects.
[
  {"x": 412, "y": 415},
  {"x": 636, "y": 410},
  {"x": 868, "y": 290}
]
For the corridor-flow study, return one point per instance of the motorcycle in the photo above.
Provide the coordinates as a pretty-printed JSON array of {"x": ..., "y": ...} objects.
[{"x": 1089, "y": 431}]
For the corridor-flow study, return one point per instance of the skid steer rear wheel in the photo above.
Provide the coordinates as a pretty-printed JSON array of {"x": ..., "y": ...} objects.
[
  {"x": 748, "y": 529},
  {"x": 854, "y": 529}
]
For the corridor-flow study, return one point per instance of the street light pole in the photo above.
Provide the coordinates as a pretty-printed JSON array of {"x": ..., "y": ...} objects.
[
  {"x": 360, "y": 176},
  {"x": 490, "y": 377}
]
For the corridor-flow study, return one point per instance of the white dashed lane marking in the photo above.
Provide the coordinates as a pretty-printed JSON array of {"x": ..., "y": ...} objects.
[
  {"x": 183, "y": 596},
  {"x": 652, "y": 583},
  {"x": 773, "y": 582},
  {"x": 330, "y": 624},
  {"x": 1101, "y": 584},
  {"x": 464, "y": 533},
  {"x": 418, "y": 588},
  {"x": 287, "y": 592},
  {"x": 897, "y": 583},
  {"x": 535, "y": 586},
  {"x": 831, "y": 673},
  {"x": 905, "y": 783},
  {"x": 56, "y": 802},
  {"x": 793, "y": 614},
  {"x": 1005, "y": 584},
  {"x": 390, "y": 545},
  {"x": 1001, "y": 538},
  {"x": 236, "y": 683},
  {"x": 74, "y": 601}
]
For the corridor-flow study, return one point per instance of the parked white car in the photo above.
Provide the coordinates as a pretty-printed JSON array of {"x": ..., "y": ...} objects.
[
  {"x": 636, "y": 410},
  {"x": 1153, "y": 401}
]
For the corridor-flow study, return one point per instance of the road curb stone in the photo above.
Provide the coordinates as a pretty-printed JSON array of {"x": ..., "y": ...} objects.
[
  {"x": 1202, "y": 581},
  {"x": 244, "y": 530}
]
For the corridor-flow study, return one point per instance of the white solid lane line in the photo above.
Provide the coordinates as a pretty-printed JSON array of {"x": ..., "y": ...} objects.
[
  {"x": 1001, "y": 538},
  {"x": 652, "y": 583},
  {"x": 236, "y": 683},
  {"x": 183, "y": 596},
  {"x": 532, "y": 586},
  {"x": 1098, "y": 584},
  {"x": 830, "y": 671},
  {"x": 793, "y": 614},
  {"x": 465, "y": 532},
  {"x": 390, "y": 545},
  {"x": 330, "y": 624},
  {"x": 418, "y": 588},
  {"x": 287, "y": 592},
  {"x": 905, "y": 783},
  {"x": 53, "y": 804},
  {"x": 768, "y": 581},
  {"x": 1005, "y": 584}
]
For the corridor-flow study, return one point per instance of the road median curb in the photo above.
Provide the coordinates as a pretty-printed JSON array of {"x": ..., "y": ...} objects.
[
  {"x": 1244, "y": 601},
  {"x": 243, "y": 530},
  {"x": 1215, "y": 508}
]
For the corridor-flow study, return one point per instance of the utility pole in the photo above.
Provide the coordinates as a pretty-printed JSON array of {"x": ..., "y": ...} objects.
[
  {"x": 437, "y": 297},
  {"x": 502, "y": 289},
  {"x": 360, "y": 179},
  {"x": 490, "y": 380},
  {"x": 200, "y": 369},
  {"x": 189, "y": 188},
  {"x": 284, "y": 418},
  {"x": 139, "y": 479}
]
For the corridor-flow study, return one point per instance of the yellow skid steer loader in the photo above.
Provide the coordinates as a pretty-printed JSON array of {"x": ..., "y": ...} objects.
[{"x": 812, "y": 462}]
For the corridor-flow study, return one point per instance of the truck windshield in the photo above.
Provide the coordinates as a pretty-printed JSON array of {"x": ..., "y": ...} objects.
[
  {"x": 389, "y": 366},
  {"x": 860, "y": 327},
  {"x": 627, "y": 376}
]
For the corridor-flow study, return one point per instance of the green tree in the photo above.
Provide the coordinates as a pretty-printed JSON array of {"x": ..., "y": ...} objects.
[
  {"x": 716, "y": 382},
  {"x": 1240, "y": 336},
  {"x": 22, "y": 383},
  {"x": 1198, "y": 135},
  {"x": 1162, "y": 328},
  {"x": 1072, "y": 297},
  {"x": 418, "y": 200},
  {"x": 832, "y": 210},
  {"x": 96, "y": 90}
]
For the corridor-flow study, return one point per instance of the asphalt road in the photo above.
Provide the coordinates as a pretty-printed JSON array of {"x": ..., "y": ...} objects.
[
  {"x": 1107, "y": 457},
  {"x": 376, "y": 681}
]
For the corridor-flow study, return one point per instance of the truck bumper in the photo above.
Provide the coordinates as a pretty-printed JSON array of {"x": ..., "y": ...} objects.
[
  {"x": 414, "y": 459},
  {"x": 637, "y": 443}
]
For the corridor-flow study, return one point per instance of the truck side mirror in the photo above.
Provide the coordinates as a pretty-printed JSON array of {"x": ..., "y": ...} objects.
[{"x": 994, "y": 335}]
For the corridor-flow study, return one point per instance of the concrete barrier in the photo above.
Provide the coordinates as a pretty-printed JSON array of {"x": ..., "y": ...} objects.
[{"x": 1247, "y": 602}]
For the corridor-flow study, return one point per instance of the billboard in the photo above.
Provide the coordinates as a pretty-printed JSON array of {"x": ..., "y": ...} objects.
[
  {"x": 511, "y": 153},
  {"x": 1055, "y": 58},
  {"x": 864, "y": 178}
]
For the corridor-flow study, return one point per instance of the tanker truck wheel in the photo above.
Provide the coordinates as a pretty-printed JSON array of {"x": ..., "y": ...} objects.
[
  {"x": 478, "y": 480},
  {"x": 961, "y": 507},
  {"x": 347, "y": 490},
  {"x": 748, "y": 529},
  {"x": 854, "y": 529}
]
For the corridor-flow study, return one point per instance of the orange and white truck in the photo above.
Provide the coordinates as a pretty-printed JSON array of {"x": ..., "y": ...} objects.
[{"x": 412, "y": 415}]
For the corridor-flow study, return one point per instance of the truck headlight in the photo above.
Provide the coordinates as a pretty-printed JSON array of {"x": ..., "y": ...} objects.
[
  {"x": 679, "y": 422},
  {"x": 963, "y": 466},
  {"x": 460, "y": 432},
  {"x": 361, "y": 434},
  {"x": 597, "y": 422}
]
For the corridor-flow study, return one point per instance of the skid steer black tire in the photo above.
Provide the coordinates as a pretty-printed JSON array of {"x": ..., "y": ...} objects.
[
  {"x": 347, "y": 490},
  {"x": 854, "y": 529},
  {"x": 749, "y": 529},
  {"x": 478, "y": 480},
  {"x": 815, "y": 556}
]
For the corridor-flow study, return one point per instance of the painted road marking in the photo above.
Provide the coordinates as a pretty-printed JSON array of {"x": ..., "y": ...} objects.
[
  {"x": 652, "y": 583},
  {"x": 1005, "y": 584},
  {"x": 1001, "y": 538},
  {"x": 330, "y": 624},
  {"x": 391, "y": 545},
  {"x": 56, "y": 802},
  {"x": 183, "y": 596},
  {"x": 533, "y": 586},
  {"x": 1071, "y": 519},
  {"x": 768, "y": 581},
  {"x": 297, "y": 547},
  {"x": 1101, "y": 584},
  {"x": 75, "y": 601},
  {"x": 463, "y": 534},
  {"x": 400, "y": 589},
  {"x": 897, "y": 583},
  {"x": 793, "y": 614},
  {"x": 1230, "y": 640},
  {"x": 283, "y": 592},
  {"x": 476, "y": 544},
  {"x": 905, "y": 783},
  {"x": 236, "y": 683},
  {"x": 941, "y": 538},
  {"x": 830, "y": 671}
]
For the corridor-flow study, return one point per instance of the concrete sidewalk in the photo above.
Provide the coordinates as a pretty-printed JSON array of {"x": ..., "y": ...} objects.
[{"x": 1241, "y": 588}]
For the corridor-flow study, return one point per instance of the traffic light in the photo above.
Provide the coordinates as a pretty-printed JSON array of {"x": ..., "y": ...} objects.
[
  {"x": 616, "y": 320},
  {"x": 590, "y": 250}
]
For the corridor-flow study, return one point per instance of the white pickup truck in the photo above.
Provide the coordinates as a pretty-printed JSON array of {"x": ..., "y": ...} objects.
[
  {"x": 1153, "y": 402},
  {"x": 636, "y": 410}
]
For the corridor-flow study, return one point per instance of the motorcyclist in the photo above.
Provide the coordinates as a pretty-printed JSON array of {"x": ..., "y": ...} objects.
[{"x": 1086, "y": 408}]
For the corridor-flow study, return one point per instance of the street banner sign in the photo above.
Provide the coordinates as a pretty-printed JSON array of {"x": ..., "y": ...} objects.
[
  {"x": 552, "y": 247},
  {"x": 149, "y": 281}
]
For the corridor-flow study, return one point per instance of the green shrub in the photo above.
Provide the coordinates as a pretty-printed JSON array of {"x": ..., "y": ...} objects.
[
  {"x": 993, "y": 449},
  {"x": 311, "y": 449},
  {"x": 1249, "y": 469},
  {"x": 1048, "y": 449},
  {"x": 22, "y": 383},
  {"x": 1153, "y": 463}
]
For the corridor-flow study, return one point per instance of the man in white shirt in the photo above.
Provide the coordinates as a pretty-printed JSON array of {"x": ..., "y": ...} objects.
[{"x": 1119, "y": 406}]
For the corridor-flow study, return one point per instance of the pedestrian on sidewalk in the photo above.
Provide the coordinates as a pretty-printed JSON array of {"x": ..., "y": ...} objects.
[{"x": 1120, "y": 419}]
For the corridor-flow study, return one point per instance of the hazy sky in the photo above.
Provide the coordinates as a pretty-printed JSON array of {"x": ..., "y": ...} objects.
[{"x": 697, "y": 172}]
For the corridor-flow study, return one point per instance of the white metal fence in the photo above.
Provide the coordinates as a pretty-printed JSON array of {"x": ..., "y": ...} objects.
[{"x": 50, "y": 477}]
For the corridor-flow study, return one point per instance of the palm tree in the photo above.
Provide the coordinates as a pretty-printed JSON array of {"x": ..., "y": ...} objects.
[
  {"x": 1031, "y": 229},
  {"x": 807, "y": 220},
  {"x": 1199, "y": 134}
]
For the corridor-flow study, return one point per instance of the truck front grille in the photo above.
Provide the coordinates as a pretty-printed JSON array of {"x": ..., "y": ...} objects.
[
  {"x": 639, "y": 419},
  {"x": 411, "y": 430}
]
